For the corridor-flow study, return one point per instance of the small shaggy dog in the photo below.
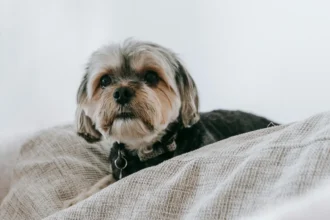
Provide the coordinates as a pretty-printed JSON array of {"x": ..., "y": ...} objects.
[{"x": 140, "y": 96}]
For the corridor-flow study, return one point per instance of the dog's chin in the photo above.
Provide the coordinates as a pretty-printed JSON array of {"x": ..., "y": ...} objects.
[{"x": 132, "y": 131}]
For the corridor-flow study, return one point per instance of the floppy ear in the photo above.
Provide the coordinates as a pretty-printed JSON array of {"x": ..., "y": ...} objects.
[
  {"x": 84, "y": 124},
  {"x": 189, "y": 96}
]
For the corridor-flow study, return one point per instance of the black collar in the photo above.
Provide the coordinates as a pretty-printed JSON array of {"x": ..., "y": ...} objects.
[
  {"x": 156, "y": 151},
  {"x": 124, "y": 161},
  {"x": 166, "y": 144}
]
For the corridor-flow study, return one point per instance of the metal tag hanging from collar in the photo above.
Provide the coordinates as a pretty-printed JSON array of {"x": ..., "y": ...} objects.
[{"x": 120, "y": 163}]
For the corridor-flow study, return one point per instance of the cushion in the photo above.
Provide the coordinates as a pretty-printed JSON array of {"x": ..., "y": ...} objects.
[
  {"x": 9, "y": 150},
  {"x": 53, "y": 166},
  {"x": 226, "y": 180}
]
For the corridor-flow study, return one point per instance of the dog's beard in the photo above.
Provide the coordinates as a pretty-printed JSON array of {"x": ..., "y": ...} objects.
[
  {"x": 134, "y": 124},
  {"x": 139, "y": 123},
  {"x": 132, "y": 132}
]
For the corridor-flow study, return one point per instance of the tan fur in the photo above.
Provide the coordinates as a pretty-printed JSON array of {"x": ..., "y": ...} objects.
[
  {"x": 169, "y": 102},
  {"x": 101, "y": 184}
]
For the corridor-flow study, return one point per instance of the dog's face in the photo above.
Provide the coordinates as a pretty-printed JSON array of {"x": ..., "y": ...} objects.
[{"x": 131, "y": 93}]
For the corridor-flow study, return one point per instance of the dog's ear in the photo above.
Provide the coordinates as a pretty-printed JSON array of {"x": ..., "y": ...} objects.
[
  {"x": 84, "y": 124},
  {"x": 189, "y": 96}
]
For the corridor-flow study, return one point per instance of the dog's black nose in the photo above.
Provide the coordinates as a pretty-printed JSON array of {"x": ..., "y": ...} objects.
[{"x": 123, "y": 95}]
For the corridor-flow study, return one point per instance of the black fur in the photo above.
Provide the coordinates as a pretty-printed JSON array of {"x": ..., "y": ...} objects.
[{"x": 212, "y": 127}]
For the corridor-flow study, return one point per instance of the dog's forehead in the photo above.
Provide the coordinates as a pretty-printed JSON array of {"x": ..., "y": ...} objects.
[
  {"x": 140, "y": 55},
  {"x": 135, "y": 55},
  {"x": 105, "y": 58},
  {"x": 132, "y": 57}
]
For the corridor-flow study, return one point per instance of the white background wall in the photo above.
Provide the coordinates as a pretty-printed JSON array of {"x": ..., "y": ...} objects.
[
  {"x": 264, "y": 56},
  {"x": 44, "y": 46}
]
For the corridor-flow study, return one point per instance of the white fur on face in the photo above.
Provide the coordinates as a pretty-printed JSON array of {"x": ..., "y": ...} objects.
[
  {"x": 158, "y": 106},
  {"x": 108, "y": 57}
]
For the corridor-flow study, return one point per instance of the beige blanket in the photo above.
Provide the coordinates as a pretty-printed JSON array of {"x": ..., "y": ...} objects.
[{"x": 226, "y": 180}]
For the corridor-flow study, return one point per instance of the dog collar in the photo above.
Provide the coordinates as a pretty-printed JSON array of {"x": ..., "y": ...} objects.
[{"x": 156, "y": 152}]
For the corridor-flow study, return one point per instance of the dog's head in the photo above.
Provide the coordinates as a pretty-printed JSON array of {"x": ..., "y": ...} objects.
[{"x": 132, "y": 92}]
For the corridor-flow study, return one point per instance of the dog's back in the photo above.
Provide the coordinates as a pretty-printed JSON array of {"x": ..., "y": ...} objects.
[
  {"x": 221, "y": 124},
  {"x": 218, "y": 125}
]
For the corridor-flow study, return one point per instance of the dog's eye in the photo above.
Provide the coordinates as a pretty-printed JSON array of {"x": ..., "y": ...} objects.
[
  {"x": 105, "y": 81},
  {"x": 151, "y": 77}
]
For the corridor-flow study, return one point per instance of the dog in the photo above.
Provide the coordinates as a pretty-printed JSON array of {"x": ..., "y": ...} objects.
[{"x": 141, "y": 97}]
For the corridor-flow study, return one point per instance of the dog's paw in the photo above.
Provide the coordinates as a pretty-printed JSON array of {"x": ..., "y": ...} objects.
[
  {"x": 101, "y": 184},
  {"x": 71, "y": 202}
]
